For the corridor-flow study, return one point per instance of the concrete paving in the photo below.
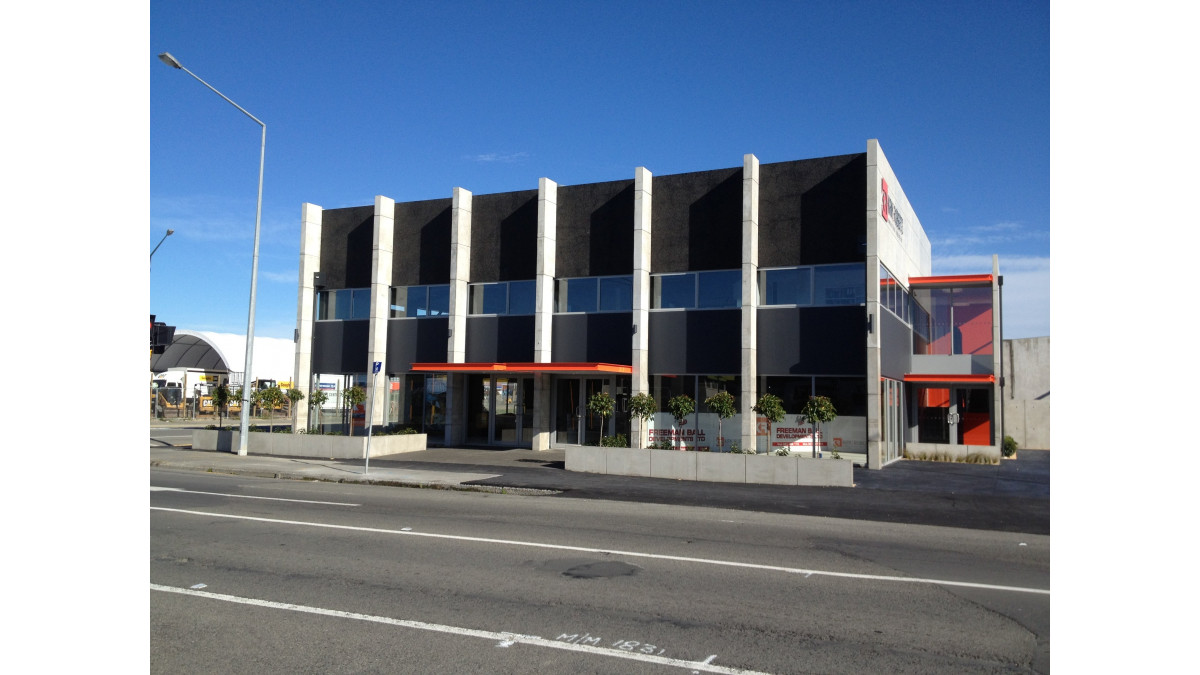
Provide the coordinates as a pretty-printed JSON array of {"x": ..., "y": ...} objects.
[{"x": 1013, "y": 496}]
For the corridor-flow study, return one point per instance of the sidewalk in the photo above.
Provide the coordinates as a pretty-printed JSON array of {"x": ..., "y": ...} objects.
[{"x": 1013, "y": 496}]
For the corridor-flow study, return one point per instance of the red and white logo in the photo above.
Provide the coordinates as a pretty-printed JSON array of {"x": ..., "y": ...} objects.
[{"x": 884, "y": 203}]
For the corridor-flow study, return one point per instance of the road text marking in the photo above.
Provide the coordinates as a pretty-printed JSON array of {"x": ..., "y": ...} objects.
[{"x": 505, "y": 639}]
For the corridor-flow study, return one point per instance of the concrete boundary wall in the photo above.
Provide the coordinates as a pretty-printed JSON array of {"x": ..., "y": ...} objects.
[
  {"x": 1027, "y": 392},
  {"x": 309, "y": 445},
  {"x": 712, "y": 466}
]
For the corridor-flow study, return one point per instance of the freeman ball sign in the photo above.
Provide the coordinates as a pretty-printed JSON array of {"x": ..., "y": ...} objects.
[{"x": 889, "y": 210}]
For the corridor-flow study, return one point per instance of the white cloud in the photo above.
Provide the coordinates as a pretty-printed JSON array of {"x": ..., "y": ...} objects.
[{"x": 497, "y": 157}]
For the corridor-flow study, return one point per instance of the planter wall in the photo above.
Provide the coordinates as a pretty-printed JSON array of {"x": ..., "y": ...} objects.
[
  {"x": 950, "y": 453},
  {"x": 308, "y": 445},
  {"x": 712, "y": 466}
]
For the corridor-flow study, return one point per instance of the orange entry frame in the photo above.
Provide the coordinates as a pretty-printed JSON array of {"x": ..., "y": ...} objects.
[{"x": 484, "y": 367}]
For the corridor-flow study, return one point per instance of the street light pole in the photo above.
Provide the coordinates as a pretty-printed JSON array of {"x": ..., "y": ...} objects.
[
  {"x": 166, "y": 58},
  {"x": 160, "y": 243}
]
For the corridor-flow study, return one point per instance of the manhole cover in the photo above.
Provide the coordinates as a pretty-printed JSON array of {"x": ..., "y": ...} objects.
[{"x": 603, "y": 569}]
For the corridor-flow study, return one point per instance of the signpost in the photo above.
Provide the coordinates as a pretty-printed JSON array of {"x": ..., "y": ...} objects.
[{"x": 375, "y": 368}]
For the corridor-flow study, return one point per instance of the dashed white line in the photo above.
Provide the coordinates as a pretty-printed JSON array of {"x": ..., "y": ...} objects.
[
  {"x": 505, "y": 639},
  {"x": 636, "y": 554},
  {"x": 224, "y": 494}
]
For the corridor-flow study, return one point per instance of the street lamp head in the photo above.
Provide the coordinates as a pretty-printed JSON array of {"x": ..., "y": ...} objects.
[
  {"x": 166, "y": 58},
  {"x": 170, "y": 232}
]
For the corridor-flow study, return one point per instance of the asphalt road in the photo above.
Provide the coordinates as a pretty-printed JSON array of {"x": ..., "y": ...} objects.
[{"x": 327, "y": 577}]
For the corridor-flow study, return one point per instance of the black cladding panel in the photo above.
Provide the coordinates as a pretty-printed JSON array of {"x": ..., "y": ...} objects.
[
  {"x": 812, "y": 341},
  {"x": 340, "y": 346},
  {"x": 346, "y": 244}
]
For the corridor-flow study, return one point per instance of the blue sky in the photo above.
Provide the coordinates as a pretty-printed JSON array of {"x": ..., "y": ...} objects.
[{"x": 409, "y": 100}]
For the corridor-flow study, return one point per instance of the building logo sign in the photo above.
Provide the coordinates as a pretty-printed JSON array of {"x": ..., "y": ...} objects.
[{"x": 889, "y": 210}]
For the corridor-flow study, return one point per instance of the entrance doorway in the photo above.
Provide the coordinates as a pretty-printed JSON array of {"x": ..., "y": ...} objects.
[
  {"x": 954, "y": 415},
  {"x": 499, "y": 410},
  {"x": 574, "y": 424}
]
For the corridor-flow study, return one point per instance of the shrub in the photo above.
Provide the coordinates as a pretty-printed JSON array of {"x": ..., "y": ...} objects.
[
  {"x": 1010, "y": 446},
  {"x": 783, "y": 452},
  {"x": 618, "y": 441}
]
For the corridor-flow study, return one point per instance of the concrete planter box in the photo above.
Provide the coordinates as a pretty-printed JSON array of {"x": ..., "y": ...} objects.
[
  {"x": 721, "y": 467},
  {"x": 677, "y": 464},
  {"x": 939, "y": 452},
  {"x": 308, "y": 445},
  {"x": 712, "y": 466},
  {"x": 771, "y": 469}
]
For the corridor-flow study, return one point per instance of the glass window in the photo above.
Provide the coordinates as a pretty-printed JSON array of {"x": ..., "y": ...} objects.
[
  {"x": 522, "y": 297},
  {"x": 439, "y": 300},
  {"x": 418, "y": 301},
  {"x": 720, "y": 289},
  {"x": 489, "y": 298},
  {"x": 786, "y": 286},
  {"x": 675, "y": 291},
  {"x": 848, "y": 394},
  {"x": 839, "y": 284},
  {"x": 581, "y": 295},
  {"x": 361, "y": 303},
  {"x": 616, "y": 294},
  {"x": 399, "y": 300}
]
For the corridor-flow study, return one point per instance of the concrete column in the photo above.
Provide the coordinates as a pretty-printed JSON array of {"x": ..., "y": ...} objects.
[
  {"x": 874, "y": 353},
  {"x": 997, "y": 354},
  {"x": 749, "y": 393},
  {"x": 310, "y": 263},
  {"x": 642, "y": 197},
  {"x": 381, "y": 285},
  {"x": 543, "y": 321},
  {"x": 456, "y": 345}
]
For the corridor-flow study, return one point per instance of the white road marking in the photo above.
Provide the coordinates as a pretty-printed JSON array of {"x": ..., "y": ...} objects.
[
  {"x": 224, "y": 494},
  {"x": 504, "y": 638},
  {"x": 635, "y": 554}
]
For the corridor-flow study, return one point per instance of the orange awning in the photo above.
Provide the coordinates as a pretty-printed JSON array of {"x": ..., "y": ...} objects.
[
  {"x": 951, "y": 281},
  {"x": 949, "y": 379},
  {"x": 485, "y": 367}
]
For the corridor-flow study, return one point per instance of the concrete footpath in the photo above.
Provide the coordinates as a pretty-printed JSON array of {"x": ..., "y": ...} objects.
[{"x": 1013, "y": 496}]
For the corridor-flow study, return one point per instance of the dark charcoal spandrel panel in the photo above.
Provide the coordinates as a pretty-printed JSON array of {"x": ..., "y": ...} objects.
[
  {"x": 812, "y": 341},
  {"x": 895, "y": 346},
  {"x": 416, "y": 341},
  {"x": 813, "y": 211},
  {"x": 594, "y": 229},
  {"x": 698, "y": 342},
  {"x": 504, "y": 236},
  {"x": 697, "y": 221},
  {"x": 340, "y": 346},
  {"x": 421, "y": 242},
  {"x": 346, "y": 236}
]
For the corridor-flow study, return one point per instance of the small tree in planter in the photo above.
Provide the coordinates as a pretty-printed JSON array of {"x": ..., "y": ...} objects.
[
  {"x": 643, "y": 407},
  {"x": 601, "y": 404},
  {"x": 220, "y": 398},
  {"x": 769, "y": 406},
  {"x": 268, "y": 399},
  {"x": 817, "y": 410},
  {"x": 317, "y": 401},
  {"x": 723, "y": 404},
  {"x": 294, "y": 396},
  {"x": 352, "y": 398},
  {"x": 681, "y": 406}
]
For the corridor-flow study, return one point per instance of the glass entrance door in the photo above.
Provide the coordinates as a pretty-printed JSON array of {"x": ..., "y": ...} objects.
[
  {"x": 573, "y": 423},
  {"x": 954, "y": 415},
  {"x": 499, "y": 410}
]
